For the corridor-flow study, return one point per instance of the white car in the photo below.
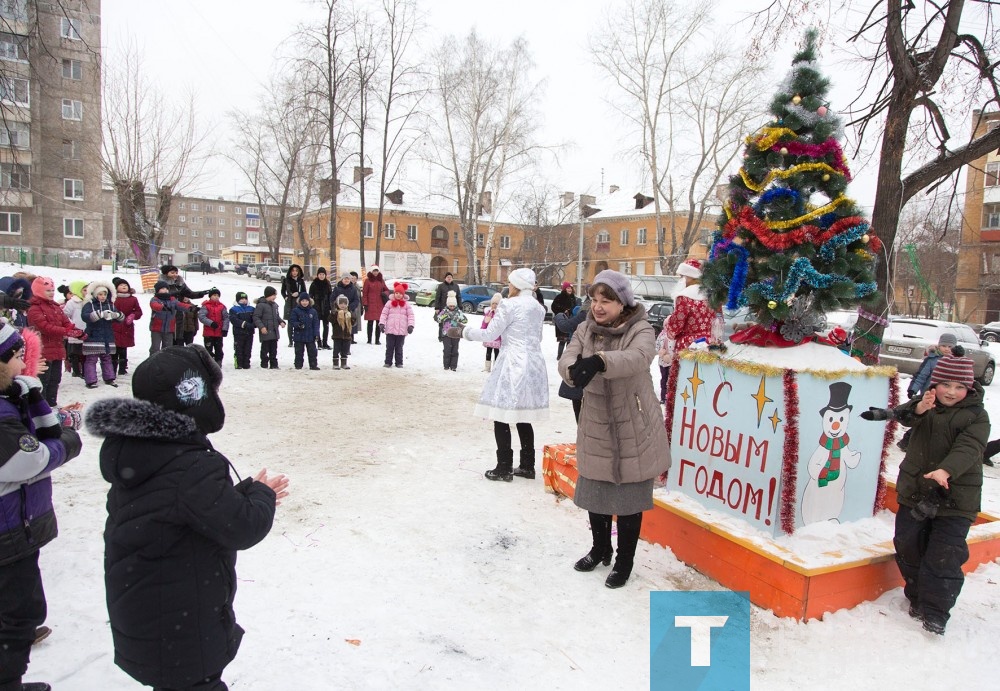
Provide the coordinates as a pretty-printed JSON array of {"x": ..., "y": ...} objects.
[{"x": 274, "y": 273}]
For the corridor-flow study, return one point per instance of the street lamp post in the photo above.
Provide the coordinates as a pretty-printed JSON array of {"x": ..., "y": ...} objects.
[{"x": 579, "y": 261}]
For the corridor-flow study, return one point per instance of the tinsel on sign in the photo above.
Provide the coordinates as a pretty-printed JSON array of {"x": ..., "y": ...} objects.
[{"x": 790, "y": 244}]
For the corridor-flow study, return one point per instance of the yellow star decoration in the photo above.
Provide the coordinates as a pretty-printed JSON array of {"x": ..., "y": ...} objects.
[
  {"x": 774, "y": 420},
  {"x": 761, "y": 399},
  {"x": 685, "y": 395},
  {"x": 696, "y": 383}
]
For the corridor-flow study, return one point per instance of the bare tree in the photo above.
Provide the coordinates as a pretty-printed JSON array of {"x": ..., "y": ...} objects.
[
  {"x": 150, "y": 146},
  {"x": 399, "y": 94},
  {"x": 271, "y": 148},
  {"x": 927, "y": 255},
  {"x": 485, "y": 100},
  {"x": 551, "y": 232}
]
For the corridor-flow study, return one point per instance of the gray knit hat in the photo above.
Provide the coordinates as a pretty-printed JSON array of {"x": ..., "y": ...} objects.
[
  {"x": 618, "y": 283},
  {"x": 948, "y": 339}
]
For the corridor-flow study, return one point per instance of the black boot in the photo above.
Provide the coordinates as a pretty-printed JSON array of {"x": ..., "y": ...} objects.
[
  {"x": 122, "y": 364},
  {"x": 628, "y": 539},
  {"x": 35, "y": 686},
  {"x": 600, "y": 530},
  {"x": 527, "y": 467},
  {"x": 505, "y": 460}
]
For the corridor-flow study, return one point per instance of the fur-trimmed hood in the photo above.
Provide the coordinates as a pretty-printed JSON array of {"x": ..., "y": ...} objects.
[
  {"x": 131, "y": 417},
  {"x": 101, "y": 283}
]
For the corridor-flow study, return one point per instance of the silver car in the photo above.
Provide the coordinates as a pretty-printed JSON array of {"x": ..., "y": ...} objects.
[{"x": 906, "y": 341}]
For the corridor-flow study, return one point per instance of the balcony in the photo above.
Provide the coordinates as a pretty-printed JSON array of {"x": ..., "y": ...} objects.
[
  {"x": 439, "y": 243},
  {"x": 604, "y": 247}
]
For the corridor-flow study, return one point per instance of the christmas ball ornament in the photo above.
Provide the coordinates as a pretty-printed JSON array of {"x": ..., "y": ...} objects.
[
  {"x": 783, "y": 151},
  {"x": 796, "y": 99},
  {"x": 821, "y": 111},
  {"x": 771, "y": 304},
  {"x": 826, "y": 177},
  {"x": 865, "y": 238}
]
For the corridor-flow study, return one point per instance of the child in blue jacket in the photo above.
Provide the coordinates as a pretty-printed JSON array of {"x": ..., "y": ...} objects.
[
  {"x": 304, "y": 325},
  {"x": 241, "y": 322}
]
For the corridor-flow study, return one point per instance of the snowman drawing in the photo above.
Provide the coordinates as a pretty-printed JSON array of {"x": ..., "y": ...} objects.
[{"x": 824, "y": 495}]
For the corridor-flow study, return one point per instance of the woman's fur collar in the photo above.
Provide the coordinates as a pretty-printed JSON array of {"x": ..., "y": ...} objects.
[{"x": 131, "y": 417}]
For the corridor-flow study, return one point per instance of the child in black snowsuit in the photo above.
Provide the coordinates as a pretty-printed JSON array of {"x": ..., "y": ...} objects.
[
  {"x": 241, "y": 321},
  {"x": 304, "y": 325}
]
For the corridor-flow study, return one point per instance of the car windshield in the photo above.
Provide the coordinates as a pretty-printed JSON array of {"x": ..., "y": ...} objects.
[{"x": 927, "y": 332}]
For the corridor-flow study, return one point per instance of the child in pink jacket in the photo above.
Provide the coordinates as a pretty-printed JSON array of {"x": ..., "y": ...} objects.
[{"x": 396, "y": 322}]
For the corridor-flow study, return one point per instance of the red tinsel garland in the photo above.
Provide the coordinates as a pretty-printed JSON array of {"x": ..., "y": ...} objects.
[
  {"x": 887, "y": 439},
  {"x": 790, "y": 454},
  {"x": 830, "y": 146},
  {"x": 668, "y": 412},
  {"x": 778, "y": 242}
]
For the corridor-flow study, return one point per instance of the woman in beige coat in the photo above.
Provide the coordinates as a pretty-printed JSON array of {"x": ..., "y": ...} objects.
[{"x": 621, "y": 442}]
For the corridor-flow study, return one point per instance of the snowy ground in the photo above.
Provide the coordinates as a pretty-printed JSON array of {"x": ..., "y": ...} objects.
[{"x": 395, "y": 564}]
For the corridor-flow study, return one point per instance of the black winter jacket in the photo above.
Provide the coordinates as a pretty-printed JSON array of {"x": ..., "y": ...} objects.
[
  {"x": 175, "y": 522},
  {"x": 952, "y": 438},
  {"x": 320, "y": 292},
  {"x": 350, "y": 290},
  {"x": 441, "y": 295}
]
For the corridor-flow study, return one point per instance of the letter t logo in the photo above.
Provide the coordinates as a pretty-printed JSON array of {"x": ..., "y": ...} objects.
[{"x": 701, "y": 636}]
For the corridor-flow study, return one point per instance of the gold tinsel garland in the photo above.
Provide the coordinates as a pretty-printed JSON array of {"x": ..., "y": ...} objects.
[{"x": 755, "y": 369}]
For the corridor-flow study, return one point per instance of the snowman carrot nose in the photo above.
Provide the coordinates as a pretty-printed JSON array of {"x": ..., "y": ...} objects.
[{"x": 835, "y": 426}]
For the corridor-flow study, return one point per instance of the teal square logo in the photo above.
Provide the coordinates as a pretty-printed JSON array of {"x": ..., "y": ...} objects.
[{"x": 699, "y": 641}]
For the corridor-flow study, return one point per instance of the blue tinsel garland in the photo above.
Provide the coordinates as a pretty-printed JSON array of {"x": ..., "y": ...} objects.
[
  {"x": 828, "y": 251},
  {"x": 801, "y": 272}
]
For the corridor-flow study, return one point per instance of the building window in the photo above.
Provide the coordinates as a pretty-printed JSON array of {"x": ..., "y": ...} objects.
[
  {"x": 480, "y": 240},
  {"x": 222, "y": 221},
  {"x": 222, "y": 208},
  {"x": 253, "y": 211},
  {"x": 208, "y": 233},
  {"x": 194, "y": 232},
  {"x": 625, "y": 268},
  {"x": 603, "y": 237},
  {"x": 253, "y": 223},
  {"x": 209, "y": 246},
  {"x": 624, "y": 237},
  {"x": 182, "y": 245},
  {"x": 222, "y": 236},
  {"x": 69, "y": 28},
  {"x": 411, "y": 233},
  {"x": 183, "y": 206},
  {"x": 209, "y": 208},
  {"x": 72, "y": 110},
  {"x": 194, "y": 206},
  {"x": 14, "y": 90},
  {"x": 71, "y": 150},
  {"x": 210, "y": 220},
  {"x": 14, "y": 9},
  {"x": 369, "y": 229},
  {"x": 194, "y": 245},
  {"x": 505, "y": 242},
  {"x": 237, "y": 223},
  {"x": 529, "y": 243},
  {"x": 72, "y": 69},
  {"x": 237, "y": 235},
  {"x": 640, "y": 236},
  {"x": 14, "y": 176},
  {"x": 991, "y": 216},
  {"x": 73, "y": 227},
  {"x": 389, "y": 230},
  {"x": 456, "y": 238},
  {"x": 15, "y": 134},
  {"x": 182, "y": 218},
  {"x": 182, "y": 231},
  {"x": 992, "y": 174},
  {"x": 13, "y": 47},
  {"x": 72, "y": 188},
  {"x": 10, "y": 223},
  {"x": 237, "y": 210}
]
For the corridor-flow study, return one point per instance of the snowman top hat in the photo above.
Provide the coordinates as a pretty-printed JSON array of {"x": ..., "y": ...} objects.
[{"x": 840, "y": 391}]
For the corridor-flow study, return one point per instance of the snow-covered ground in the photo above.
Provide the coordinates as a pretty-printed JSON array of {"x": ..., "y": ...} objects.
[{"x": 395, "y": 564}]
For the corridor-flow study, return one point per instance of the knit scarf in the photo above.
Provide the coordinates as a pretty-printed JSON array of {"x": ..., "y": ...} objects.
[
  {"x": 344, "y": 319},
  {"x": 831, "y": 469}
]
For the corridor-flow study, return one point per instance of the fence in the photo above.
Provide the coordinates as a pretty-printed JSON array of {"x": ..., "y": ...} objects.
[{"x": 15, "y": 255}]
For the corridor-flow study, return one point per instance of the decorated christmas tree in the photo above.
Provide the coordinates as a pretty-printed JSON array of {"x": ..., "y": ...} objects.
[{"x": 791, "y": 245}]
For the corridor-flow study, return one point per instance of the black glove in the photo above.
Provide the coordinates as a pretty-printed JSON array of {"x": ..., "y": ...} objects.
[
  {"x": 876, "y": 414},
  {"x": 225, "y": 333},
  {"x": 409, "y": 329},
  {"x": 214, "y": 325},
  {"x": 585, "y": 369},
  {"x": 381, "y": 328},
  {"x": 19, "y": 304}
]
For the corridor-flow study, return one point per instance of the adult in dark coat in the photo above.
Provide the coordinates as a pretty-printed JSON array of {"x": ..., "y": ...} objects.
[
  {"x": 563, "y": 303},
  {"x": 320, "y": 290},
  {"x": 291, "y": 285},
  {"x": 171, "y": 275},
  {"x": 374, "y": 295},
  {"x": 175, "y": 522},
  {"x": 441, "y": 298}
]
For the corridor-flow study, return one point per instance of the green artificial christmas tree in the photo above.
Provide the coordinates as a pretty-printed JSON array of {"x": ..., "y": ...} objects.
[{"x": 790, "y": 244}]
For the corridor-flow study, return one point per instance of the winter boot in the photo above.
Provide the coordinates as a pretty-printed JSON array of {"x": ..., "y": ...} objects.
[
  {"x": 600, "y": 530},
  {"x": 628, "y": 539},
  {"x": 41, "y": 633},
  {"x": 36, "y": 686},
  {"x": 336, "y": 363},
  {"x": 526, "y": 469},
  {"x": 505, "y": 460},
  {"x": 122, "y": 364},
  {"x": 489, "y": 366},
  {"x": 343, "y": 363}
]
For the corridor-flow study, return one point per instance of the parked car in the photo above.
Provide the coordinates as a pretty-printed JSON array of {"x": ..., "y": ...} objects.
[
  {"x": 242, "y": 269},
  {"x": 129, "y": 265},
  {"x": 416, "y": 285},
  {"x": 274, "y": 273},
  {"x": 990, "y": 332},
  {"x": 548, "y": 295},
  {"x": 472, "y": 296},
  {"x": 905, "y": 343},
  {"x": 199, "y": 267},
  {"x": 657, "y": 313},
  {"x": 225, "y": 265}
]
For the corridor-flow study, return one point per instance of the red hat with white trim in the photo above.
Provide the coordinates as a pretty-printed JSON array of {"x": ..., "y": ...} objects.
[{"x": 691, "y": 268}]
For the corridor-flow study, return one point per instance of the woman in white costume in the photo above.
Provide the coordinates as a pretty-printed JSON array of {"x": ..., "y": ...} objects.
[{"x": 517, "y": 390}]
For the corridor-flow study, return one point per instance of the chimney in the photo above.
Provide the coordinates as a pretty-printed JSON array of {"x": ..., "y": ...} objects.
[
  {"x": 485, "y": 203},
  {"x": 567, "y": 198},
  {"x": 361, "y": 173},
  {"x": 396, "y": 197},
  {"x": 642, "y": 201},
  {"x": 613, "y": 189},
  {"x": 587, "y": 199}
]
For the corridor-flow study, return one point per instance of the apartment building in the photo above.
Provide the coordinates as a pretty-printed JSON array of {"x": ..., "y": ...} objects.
[
  {"x": 50, "y": 132},
  {"x": 422, "y": 237},
  {"x": 977, "y": 288}
]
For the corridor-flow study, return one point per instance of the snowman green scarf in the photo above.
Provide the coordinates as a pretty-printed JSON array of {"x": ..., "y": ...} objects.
[{"x": 831, "y": 469}]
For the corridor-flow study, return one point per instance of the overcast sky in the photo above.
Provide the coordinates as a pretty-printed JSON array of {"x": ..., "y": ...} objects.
[{"x": 225, "y": 50}]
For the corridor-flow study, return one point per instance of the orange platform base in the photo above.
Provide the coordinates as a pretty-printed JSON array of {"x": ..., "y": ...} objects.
[{"x": 773, "y": 580}]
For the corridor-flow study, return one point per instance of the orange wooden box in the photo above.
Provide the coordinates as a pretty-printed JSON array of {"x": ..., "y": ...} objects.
[{"x": 786, "y": 588}]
